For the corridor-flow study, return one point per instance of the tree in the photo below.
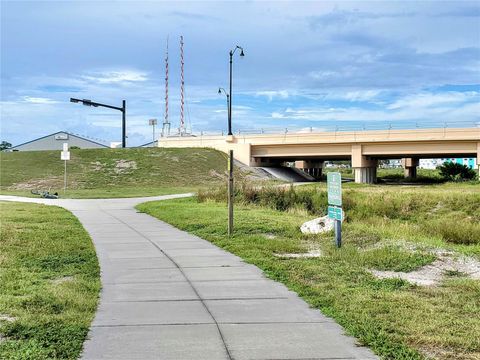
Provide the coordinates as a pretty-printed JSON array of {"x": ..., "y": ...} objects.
[
  {"x": 5, "y": 145},
  {"x": 453, "y": 171}
]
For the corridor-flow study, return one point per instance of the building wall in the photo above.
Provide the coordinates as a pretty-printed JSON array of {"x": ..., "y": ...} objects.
[
  {"x": 55, "y": 142},
  {"x": 433, "y": 163}
]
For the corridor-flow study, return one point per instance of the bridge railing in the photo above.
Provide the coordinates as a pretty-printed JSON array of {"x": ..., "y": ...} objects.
[{"x": 339, "y": 127}]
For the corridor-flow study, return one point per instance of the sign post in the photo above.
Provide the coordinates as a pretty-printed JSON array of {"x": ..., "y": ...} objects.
[
  {"x": 230, "y": 193},
  {"x": 65, "y": 155},
  {"x": 335, "y": 212}
]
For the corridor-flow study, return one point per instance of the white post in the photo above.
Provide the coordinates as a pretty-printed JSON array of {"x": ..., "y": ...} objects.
[
  {"x": 65, "y": 155},
  {"x": 65, "y": 179}
]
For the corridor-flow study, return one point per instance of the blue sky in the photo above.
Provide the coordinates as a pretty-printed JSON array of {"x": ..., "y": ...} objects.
[{"x": 315, "y": 64}]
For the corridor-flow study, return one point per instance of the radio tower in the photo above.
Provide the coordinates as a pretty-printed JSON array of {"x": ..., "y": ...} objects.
[
  {"x": 182, "y": 91},
  {"x": 166, "y": 123}
]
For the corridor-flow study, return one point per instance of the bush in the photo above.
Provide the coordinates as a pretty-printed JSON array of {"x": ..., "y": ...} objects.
[{"x": 456, "y": 172}]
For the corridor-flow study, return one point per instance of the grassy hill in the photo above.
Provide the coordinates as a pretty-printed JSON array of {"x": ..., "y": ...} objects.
[{"x": 111, "y": 172}]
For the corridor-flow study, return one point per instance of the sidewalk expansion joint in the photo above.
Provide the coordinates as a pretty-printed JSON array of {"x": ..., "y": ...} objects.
[{"x": 229, "y": 355}]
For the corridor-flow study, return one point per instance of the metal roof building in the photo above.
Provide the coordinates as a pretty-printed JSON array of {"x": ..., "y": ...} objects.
[{"x": 55, "y": 142}]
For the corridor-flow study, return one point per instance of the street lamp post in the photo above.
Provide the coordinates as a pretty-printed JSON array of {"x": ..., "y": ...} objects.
[
  {"x": 230, "y": 92},
  {"x": 123, "y": 109}
]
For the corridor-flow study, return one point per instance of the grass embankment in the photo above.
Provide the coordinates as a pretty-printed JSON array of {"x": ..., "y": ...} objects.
[
  {"x": 49, "y": 283},
  {"x": 396, "y": 319},
  {"x": 99, "y": 173}
]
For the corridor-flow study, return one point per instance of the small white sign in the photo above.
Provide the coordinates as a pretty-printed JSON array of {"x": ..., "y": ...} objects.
[
  {"x": 65, "y": 146},
  {"x": 65, "y": 155}
]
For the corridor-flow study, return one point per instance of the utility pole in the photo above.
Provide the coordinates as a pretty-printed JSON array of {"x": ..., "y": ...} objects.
[
  {"x": 124, "y": 124},
  {"x": 231, "y": 195}
]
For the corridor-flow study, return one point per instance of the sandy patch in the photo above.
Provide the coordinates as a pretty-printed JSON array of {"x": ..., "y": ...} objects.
[
  {"x": 44, "y": 184},
  {"x": 97, "y": 165},
  {"x": 307, "y": 255},
  {"x": 435, "y": 272},
  {"x": 7, "y": 318},
  {"x": 124, "y": 166},
  {"x": 215, "y": 174},
  {"x": 62, "y": 280}
]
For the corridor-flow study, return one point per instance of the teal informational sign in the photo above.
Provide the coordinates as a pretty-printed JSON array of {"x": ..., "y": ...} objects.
[
  {"x": 334, "y": 188},
  {"x": 335, "y": 213}
]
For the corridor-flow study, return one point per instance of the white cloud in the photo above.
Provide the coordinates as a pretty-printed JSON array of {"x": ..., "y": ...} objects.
[
  {"x": 271, "y": 94},
  {"x": 452, "y": 108},
  {"x": 361, "y": 95},
  {"x": 432, "y": 100},
  {"x": 38, "y": 100},
  {"x": 111, "y": 77}
]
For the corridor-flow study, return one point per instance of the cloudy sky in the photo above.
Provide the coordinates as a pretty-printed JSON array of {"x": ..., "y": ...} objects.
[{"x": 325, "y": 65}]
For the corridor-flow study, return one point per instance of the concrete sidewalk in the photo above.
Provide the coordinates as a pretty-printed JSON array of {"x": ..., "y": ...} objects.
[{"x": 171, "y": 295}]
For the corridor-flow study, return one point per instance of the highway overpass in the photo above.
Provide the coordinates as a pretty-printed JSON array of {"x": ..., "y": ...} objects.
[{"x": 364, "y": 148}]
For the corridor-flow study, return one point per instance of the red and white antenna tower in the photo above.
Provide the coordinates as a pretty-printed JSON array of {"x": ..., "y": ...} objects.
[
  {"x": 182, "y": 91},
  {"x": 166, "y": 122}
]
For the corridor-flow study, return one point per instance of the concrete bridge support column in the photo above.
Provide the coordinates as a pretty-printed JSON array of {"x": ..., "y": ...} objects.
[
  {"x": 365, "y": 175},
  {"x": 365, "y": 168},
  {"x": 410, "y": 167},
  {"x": 313, "y": 168}
]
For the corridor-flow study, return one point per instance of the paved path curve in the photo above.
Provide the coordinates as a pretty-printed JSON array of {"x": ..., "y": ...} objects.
[{"x": 171, "y": 295}]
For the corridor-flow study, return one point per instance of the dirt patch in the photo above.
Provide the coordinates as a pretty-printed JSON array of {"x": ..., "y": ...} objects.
[
  {"x": 443, "y": 353},
  {"x": 307, "y": 255},
  {"x": 43, "y": 184},
  {"x": 270, "y": 236},
  {"x": 124, "y": 166},
  {"x": 7, "y": 318},
  {"x": 446, "y": 264},
  {"x": 216, "y": 174},
  {"x": 62, "y": 280},
  {"x": 97, "y": 165}
]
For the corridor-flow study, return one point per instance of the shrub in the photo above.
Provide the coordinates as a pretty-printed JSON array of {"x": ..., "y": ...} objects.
[{"x": 454, "y": 172}]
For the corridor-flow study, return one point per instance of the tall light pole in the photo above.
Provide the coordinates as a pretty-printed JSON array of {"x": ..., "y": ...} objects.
[
  {"x": 123, "y": 109},
  {"x": 230, "y": 92}
]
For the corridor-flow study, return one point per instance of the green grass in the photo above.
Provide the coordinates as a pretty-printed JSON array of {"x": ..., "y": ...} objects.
[
  {"x": 49, "y": 282},
  {"x": 394, "y": 318},
  {"x": 97, "y": 173}
]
